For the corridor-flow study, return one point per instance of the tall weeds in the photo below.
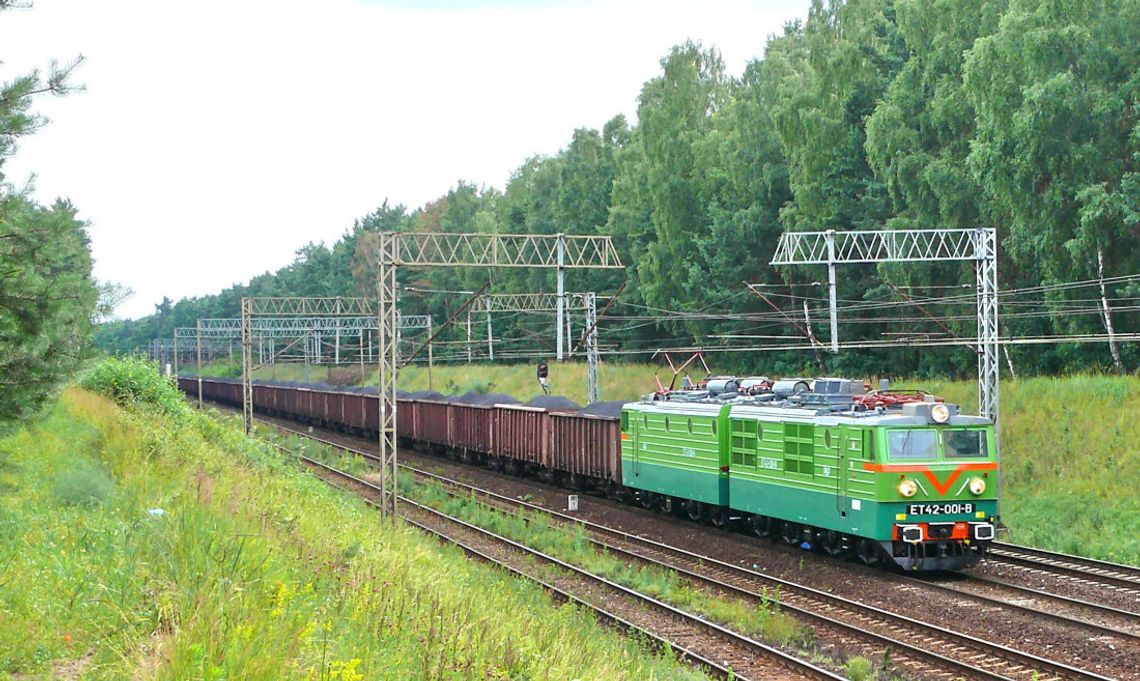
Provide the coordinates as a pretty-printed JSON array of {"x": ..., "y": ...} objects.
[{"x": 213, "y": 557}]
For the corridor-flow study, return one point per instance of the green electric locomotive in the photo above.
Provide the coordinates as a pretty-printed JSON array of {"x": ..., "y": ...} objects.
[{"x": 914, "y": 485}]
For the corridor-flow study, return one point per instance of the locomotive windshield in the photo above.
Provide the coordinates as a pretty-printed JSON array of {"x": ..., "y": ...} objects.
[
  {"x": 964, "y": 444},
  {"x": 909, "y": 445},
  {"x": 926, "y": 444}
]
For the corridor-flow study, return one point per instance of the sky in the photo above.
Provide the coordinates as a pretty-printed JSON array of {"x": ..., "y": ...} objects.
[{"x": 215, "y": 138}]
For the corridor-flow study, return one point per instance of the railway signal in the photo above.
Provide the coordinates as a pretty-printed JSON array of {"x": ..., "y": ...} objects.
[{"x": 543, "y": 372}]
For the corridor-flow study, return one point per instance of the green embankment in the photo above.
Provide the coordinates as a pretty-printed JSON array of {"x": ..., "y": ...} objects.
[
  {"x": 1070, "y": 445},
  {"x": 1070, "y": 462},
  {"x": 252, "y": 569}
]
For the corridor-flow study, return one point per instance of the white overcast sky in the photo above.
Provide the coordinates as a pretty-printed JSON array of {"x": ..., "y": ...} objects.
[{"x": 217, "y": 137}]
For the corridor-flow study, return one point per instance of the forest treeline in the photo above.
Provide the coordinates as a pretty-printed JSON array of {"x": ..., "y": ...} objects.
[{"x": 1019, "y": 115}]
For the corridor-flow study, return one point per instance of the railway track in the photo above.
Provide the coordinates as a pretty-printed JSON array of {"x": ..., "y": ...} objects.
[
  {"x": 922, "y": 648},
  {"x": 1098, "y": 619},
  {"x": 1113, "y": 575},
  {"x": 722, "y": 651}
]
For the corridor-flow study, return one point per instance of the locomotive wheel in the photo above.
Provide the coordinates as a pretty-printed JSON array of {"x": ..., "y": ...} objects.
[
  {"x": 790, "y": 533},
  {"x": 759, "y": 525},
  {"x": 867, "y": 552},
  {"x": 666, "y": 504},
  {"x": 832, "y": 542},
  {"x": 693, "y": 510},
  {"x": 646, "y": 499},
  {"x": 714, "y": 515}
]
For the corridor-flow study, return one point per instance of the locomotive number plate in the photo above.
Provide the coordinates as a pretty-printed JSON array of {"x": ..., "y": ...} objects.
[{"x": 939, "y": 509}]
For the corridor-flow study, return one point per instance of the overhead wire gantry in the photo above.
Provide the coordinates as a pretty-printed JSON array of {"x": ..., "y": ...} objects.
[
  {"x": 395, "y": 250},
  {"x": 978, "y": 245},
  {"x": 296, "y": 316}
]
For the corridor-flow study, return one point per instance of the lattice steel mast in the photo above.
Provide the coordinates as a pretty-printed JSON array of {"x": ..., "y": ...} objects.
[
  {"x": 288, "y": 327},
  {"x": 560, "y": 252},
  {"x": 294, "y": 316},
  {"x": 563, "y": 304},
  {"x": 913, "y": 245},
  {"x": 592, "y": 359}
]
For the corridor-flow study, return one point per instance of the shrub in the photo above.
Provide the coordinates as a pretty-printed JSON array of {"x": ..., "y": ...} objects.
[
  {"x": 858, "y": 669},
  {"x": 783, "y": 629},
  {"x": 134, "y": 381}
]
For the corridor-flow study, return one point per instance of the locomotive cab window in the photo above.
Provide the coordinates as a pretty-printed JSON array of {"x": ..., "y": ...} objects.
[
  {"x": 625, "y": 422},
  {"x": 912, "y": 445},
  {"x": 964, "y": 444}
]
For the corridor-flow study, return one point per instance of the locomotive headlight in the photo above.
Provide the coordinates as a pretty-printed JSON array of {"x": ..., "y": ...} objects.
[
  {"x": 908, "y": 488},
  {"x": 977, "y": 486},
  {"x": 940, "y": 413}
]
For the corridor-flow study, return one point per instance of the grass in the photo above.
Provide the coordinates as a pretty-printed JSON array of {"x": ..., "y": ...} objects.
[
  {"x": 571, "y": 544},
  {"x": 1070, "y": 455},
  {"x": 1070, "y": 445},
  {"x": 137, "y": 544}
]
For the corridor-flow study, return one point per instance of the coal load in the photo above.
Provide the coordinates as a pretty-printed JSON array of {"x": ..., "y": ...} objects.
[
  {"x": 426, "y": 395},
  {"x": 481, "y": 399},
  {"x": 553, "y": 403},
  {"x": 609, "y": 410}
]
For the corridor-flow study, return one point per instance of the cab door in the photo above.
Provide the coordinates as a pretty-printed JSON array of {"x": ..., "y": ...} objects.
[
  {"x": 637, "y": 421},
  {"x": 841, "y": 469},
  {"x": 851, "y": 453}
]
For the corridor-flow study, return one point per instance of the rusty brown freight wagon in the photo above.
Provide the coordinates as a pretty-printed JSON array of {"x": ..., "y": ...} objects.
[
  {"x": 406, "y": 418},
  {"x": 215, "y": 390},
  {"x": 522, "y": 434},
  {"x": 297, "y": 404},
  {"x": 330, "y": 407},
  {"x": 363, "y": 412},
  {"x": 472, "y": 426},
  {"x": 276, "y": 397},
  {"x": 432, "y": 422},
  {"x": 587, "y": 445},
  {"x": 262, "y": 397}
]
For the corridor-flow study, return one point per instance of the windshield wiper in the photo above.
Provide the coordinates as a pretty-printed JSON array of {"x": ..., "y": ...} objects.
[{"x": 906, "y": 445}]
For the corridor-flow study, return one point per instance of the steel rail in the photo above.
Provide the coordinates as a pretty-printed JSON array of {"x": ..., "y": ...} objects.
[
  {"x": 1068, "y": 600},
  {"x": 778, "y": 656},
  {"x": 1029, "y": 610},
  {"x": 1030, "y": 663},
  {"x": 680, "y": 652},
  {"x": 1116, "y": 574},
  {"x": 981, "y": 598},
  {"x": 1003, "y": 654}
]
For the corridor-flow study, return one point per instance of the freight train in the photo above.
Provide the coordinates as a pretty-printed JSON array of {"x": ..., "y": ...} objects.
[{"x": 887, "y": 479}]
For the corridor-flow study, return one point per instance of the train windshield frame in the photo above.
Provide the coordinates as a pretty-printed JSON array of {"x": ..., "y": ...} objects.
[
  {"x": 912, "y": 444},
  {"x": 937, "y": 444},
  {"x": 965, "y": 443}
]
